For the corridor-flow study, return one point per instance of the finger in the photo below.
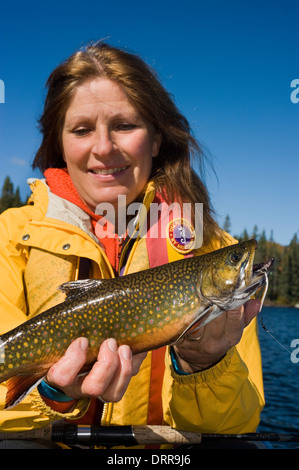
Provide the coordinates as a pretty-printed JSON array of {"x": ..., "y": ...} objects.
[
  {"x": 137, "y": 361},
  {"x": 64, "y": 372},
  {"x": 234, "y": 325},
  {"x": 251, "y": 310},
  {"x": 102, "y": 372},
  {"x": 122, "y": 376},
  {"x": 235, "y": 315},
  {"x": 109, "y": 378},
  {"x": 128, "y": 366}
]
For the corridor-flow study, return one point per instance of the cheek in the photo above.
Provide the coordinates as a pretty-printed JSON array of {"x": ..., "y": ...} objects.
[
  {"x": 141, "y": 150},
  {"x": 143, "y": 162},
  {"x": 73, "y": 152}
]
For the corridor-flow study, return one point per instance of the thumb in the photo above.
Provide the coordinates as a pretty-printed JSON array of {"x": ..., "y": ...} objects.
[
  {"x": 251, "y": 310},
  {"x": 234, "y": 325}
]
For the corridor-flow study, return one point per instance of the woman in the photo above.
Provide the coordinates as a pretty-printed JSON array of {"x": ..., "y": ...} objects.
[{"x": 110, "y": 129}]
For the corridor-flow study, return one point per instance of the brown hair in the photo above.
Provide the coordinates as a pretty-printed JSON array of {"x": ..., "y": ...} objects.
[{"x": 172, "y": 170}]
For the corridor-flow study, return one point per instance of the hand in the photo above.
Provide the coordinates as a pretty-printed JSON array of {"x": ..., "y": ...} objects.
[
  {"x": 215, "y": 338},
  {"x": 109, "y": 377}
]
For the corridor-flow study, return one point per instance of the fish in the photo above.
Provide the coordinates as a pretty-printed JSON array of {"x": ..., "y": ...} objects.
[{"x": 145, "y": 310}]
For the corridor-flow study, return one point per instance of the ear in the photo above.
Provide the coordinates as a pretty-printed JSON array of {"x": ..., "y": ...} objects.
[{"x": 156, "y": 145}]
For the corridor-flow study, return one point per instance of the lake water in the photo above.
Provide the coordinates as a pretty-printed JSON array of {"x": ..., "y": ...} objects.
[{"x": 281, "y": 373}]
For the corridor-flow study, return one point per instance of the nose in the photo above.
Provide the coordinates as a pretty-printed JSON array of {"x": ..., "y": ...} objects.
[{"x": 103, "y": 144}]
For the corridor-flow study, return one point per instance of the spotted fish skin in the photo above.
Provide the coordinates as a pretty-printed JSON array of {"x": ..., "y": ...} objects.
[
  {"x": 130, "y": 309},
  {"x": 145, "y": 310}
]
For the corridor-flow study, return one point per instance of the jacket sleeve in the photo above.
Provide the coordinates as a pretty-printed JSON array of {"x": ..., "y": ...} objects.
[
  {"x": 13, "y": 259},
  {"x": 33, "y": 411},
  {"x": 227, "y": 398}
]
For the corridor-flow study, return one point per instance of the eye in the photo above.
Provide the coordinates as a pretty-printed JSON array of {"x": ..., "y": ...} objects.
[
  {"x": 234, "y": 257},
  {"x": 126, "y": 126},
  {"x": 81, "y": 131}
]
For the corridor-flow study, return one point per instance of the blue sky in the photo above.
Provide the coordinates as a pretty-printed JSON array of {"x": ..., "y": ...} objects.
[{"x": 229, "y": 65}]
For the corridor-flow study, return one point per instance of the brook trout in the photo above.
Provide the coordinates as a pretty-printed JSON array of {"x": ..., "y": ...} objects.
[{"x": 146, "y": 310}]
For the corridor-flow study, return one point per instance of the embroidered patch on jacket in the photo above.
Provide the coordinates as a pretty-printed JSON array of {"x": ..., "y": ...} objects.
[{"x": 181, "y": 235}]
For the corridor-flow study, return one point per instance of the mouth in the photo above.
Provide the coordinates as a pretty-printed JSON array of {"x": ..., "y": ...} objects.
[{"x": 104, "y": 172}]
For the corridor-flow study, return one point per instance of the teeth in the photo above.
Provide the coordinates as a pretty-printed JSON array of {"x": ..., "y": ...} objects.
[{"x": 109, "y": 171}]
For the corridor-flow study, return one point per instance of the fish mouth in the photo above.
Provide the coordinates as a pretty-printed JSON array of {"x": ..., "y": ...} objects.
[
  {"x": 259, "y": 273},
  {"x": 265, "y": 266}
]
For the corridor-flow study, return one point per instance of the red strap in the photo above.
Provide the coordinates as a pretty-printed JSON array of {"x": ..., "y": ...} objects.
[
  {"x": 155, "y": 410},
  {"x": 156, "y": 240}
]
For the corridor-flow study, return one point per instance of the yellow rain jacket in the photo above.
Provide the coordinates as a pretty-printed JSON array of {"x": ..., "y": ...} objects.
[{"x": 43, "y": 245}]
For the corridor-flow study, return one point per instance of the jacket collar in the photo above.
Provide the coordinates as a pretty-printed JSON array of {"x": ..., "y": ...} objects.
[{"x": 49, "y": 205}]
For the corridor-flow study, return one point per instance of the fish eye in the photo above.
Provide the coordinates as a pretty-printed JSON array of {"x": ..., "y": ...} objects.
[{"x": 234, "y": 257}]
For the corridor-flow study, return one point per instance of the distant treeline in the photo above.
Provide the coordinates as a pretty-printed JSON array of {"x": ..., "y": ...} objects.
[
  {"x": 9, "y": 196},
  {"x": 284, "y": 277}
]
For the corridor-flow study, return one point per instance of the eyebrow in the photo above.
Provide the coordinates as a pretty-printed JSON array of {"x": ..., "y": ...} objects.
[{"x": 74, "y": 119}]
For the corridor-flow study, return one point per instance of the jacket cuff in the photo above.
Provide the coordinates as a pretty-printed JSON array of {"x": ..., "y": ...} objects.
[
  {"x": 205, "y": 376},
  {"x": 52, "y": 393},
  {"x": 174, "y": 363},
  {"x": 79, "y": 408}
]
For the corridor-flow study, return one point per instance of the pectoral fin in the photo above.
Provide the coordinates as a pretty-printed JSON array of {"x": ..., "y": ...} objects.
[
  {"x": 206, "y": 316},
  {"x": 19, "y": 386}
]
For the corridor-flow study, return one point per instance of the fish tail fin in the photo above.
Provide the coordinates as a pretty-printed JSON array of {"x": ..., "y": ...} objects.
[{"x": 19, "y": 386}]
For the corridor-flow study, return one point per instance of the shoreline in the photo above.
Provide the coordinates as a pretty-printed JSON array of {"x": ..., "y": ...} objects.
[{"x": 274, "y": 305}]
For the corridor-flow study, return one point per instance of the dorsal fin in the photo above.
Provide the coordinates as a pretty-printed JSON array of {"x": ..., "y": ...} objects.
[{"x": 74, "y": 288}]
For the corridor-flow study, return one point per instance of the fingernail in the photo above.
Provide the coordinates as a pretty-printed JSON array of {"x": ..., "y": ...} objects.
[
  {"x": 126, "y": 353},
  {"x": 84, "y": 344},
  {"x": 112, "y": 344}
]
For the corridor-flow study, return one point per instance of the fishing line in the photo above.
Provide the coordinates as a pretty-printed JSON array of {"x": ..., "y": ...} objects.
[{"x": 261, "y": 316}]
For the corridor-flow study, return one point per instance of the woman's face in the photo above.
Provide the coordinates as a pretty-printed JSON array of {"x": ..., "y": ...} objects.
[{"x": 107, "y": 145}]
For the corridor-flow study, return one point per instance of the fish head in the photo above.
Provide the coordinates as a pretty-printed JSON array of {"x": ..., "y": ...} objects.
[{"x": 230, "y": 277}]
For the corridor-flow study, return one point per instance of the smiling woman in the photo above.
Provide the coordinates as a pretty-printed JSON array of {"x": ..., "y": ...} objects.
[{"x": 172, "y": 170}]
